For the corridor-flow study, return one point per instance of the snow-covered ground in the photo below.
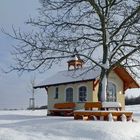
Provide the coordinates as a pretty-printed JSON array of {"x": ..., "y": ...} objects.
[{"x": 35, "y": 125}]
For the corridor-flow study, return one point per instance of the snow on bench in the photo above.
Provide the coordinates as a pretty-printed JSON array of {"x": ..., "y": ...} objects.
[{"x": 111, "y": 105}]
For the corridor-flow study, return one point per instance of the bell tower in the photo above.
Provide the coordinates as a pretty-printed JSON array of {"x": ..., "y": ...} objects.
[{"x": 75, "y": 61}]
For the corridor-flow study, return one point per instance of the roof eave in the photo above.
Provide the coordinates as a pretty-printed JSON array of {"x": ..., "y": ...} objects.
[
  {"x": 65, "y": 83},
  {"x": 131, "y": 82}
]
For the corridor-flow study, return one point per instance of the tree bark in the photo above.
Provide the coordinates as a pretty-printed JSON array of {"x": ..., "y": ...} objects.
[{"x": 102, "y": 90}]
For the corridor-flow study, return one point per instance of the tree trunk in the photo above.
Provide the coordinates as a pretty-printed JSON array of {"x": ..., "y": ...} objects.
[{"x": 102, "y": 86}]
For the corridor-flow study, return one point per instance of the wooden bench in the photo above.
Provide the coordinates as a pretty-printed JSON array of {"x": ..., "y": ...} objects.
[
  {"x": 89, "y": 106},
  {"x": 63, "y": 109},
  {"x": 96, "y": 110},
  {"x": 93, "y": 105},
  {"x": 101, "y": 115}
]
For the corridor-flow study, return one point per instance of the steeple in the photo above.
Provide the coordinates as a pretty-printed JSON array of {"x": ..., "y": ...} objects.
[{"x": 75, "y": 61}]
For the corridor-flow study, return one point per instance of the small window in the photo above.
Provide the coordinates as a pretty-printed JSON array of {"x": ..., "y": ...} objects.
[
  {"x": 82, "y": 94},
  {"x": 56, "y": 92},
  {"x": 69, "y": 95}
]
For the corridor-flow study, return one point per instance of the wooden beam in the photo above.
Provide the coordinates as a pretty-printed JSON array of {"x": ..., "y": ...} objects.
[
  {"x": 46, "y": 89},
  {"x": 95, "y": 82}
]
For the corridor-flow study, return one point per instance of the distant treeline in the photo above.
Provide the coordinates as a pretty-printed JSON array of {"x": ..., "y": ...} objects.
[
  {"x": 38, "y": 108},
  {"x": 132, "y": 100}
]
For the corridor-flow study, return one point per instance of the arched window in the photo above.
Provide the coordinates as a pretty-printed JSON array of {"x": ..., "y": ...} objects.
[
  {"x": 56, "y": 92},
  {"x": 82, "y": 94},
  {"x": 111, "y": 92},
  {"x": 69, "y": 95}
]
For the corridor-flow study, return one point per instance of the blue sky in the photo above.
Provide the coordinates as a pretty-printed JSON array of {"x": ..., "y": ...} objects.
[{"x": 14, "y": 91}]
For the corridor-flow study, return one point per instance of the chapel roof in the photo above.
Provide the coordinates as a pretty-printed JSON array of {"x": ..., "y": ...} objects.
[
  {"x": 86, "y": 74},
  {"x": 70, "y": 76}
]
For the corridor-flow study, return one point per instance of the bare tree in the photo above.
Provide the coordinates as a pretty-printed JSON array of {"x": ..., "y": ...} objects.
[{"x": 111, "y": 26}]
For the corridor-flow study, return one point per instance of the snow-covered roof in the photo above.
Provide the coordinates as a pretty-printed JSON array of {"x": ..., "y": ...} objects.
[{"x": 70, "y": 76}]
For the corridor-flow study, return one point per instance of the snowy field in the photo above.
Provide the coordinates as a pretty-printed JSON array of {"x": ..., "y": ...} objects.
[{"x": 35, "y": 125}]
